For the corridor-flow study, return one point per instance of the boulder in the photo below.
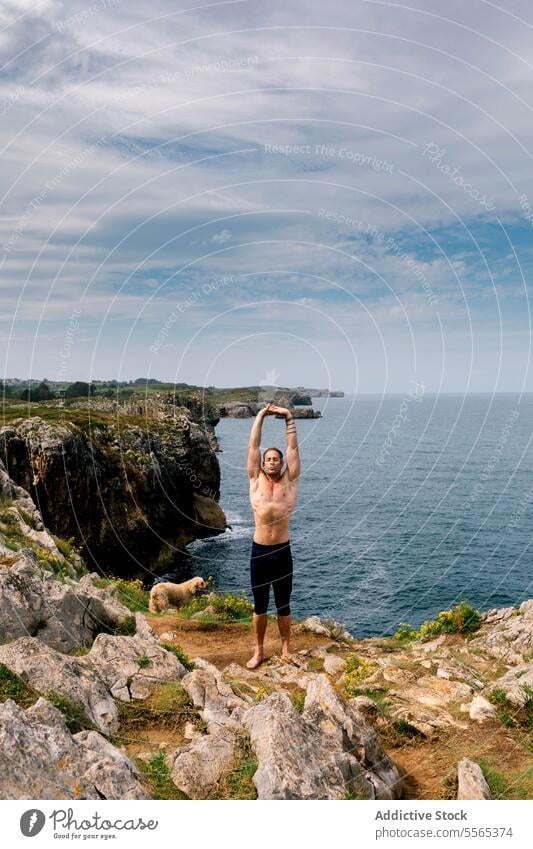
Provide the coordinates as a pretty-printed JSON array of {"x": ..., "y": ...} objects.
[
  {"x": 338, "y": 719},
  {"x": 333, "y": 664},
  {"x": 471, "y": 782},
  {"x": 479, "y": 709},
  {"x": 197, "y": 767},
  {"x": 296, "y": 761},
  {"x": 218, "y": 704},
  {"x": 48, "y": 671},
  {"x": 41, "y": 759},
  {"x": 65, "y": 616},
  {"x": 132, "y": 667},
  {"x": 328, "y": 628},
  {"x": 514, "y": 681}
]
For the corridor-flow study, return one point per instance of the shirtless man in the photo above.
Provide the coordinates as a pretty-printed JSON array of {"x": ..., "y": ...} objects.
[{"x": 273, "y": 495}]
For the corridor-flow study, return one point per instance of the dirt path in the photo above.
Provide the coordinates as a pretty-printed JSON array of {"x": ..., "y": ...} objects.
[{"x": 225, "y": 644}]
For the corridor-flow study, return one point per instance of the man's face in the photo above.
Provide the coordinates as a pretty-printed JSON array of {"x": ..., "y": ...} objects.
[{"x": 272, "y": 462}]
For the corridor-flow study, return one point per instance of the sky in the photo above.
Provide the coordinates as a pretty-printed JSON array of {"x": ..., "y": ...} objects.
[{"x": 297, "y": 193}]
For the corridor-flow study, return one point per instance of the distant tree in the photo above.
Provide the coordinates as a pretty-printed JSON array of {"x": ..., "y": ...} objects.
[
  {"x": 5, "y": 390},
  {"x": 42, "y": 392},
  {"x": 79, "y": 389}
]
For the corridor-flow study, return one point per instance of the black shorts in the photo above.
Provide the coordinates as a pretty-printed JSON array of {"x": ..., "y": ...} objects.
[{"x": 271, "y": 564}]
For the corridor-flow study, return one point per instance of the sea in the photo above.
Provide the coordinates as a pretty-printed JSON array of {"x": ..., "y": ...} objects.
[{"x": 407, "y": 504}]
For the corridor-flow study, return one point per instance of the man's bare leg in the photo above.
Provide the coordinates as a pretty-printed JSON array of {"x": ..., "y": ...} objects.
[
  {"x": 284, "y": 625},
  {"x": 259, "y": 624}
]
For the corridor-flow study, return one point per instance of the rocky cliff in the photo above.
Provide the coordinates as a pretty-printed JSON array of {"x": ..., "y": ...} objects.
[
  {"x": 98, "y": 701},
  {"x": 132, "y": 489}
]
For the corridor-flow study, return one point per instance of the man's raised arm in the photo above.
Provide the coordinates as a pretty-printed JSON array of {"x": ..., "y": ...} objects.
[
  {"x": 254, "y": 454},
  {"x": 292, "y": 452}
]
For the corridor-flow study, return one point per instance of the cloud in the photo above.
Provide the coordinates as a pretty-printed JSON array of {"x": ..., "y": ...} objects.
[
  {"x": 223, "y": 236},
  {"x": 147, "y": 151}
]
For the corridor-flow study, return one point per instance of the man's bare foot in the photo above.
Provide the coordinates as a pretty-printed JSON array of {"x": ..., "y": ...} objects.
[{"x": 255, "y": 661}]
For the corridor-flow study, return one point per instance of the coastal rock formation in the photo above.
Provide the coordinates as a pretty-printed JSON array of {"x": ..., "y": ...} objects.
[
  {"x": 116, "y": 667},
  {"x": 249, "y": 409},
  {"x": 324, "y": 753},
  {"x": 132, "y": 496},
  {"x": 507, "y": 632},
  {"x": 41, "y": 759}
]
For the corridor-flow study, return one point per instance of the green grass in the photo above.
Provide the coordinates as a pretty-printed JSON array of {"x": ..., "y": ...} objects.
[
  {"x": 379, "y": 697},
  {"x": 25, "y": 516},
  {"x": 511, "y": 715},
  {"x": 515, "y": 784},
  {"x": 238, "y": 782},
  {"x": 228, "y": 607},
  {"x": 75, "y": 716},
  {"x": 297, "y": 698},
  {"x": 159, "y": 778},
  {"x": 81, "y": 651},
  {"x": 13, "y": 687},
  {"x": 143, "y": 661},
  {"x": 180, "y": 654},
  {"x": 168, "y": 706}
]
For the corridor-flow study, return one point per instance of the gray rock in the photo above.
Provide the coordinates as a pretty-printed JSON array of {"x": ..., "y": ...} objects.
[
  {"x": 338, "y": 719},
  {"x": 513, "y": 682},
  {"x": 41, "y": 759},
  {"x": 218, "y": 704},
  {"x": 197, "y": 767},
  {"x": 64, "y": 616},
  {"x": 333, "y": 664},
  {"x": 110, "y": 670},
  {"x": 295, "y": 760},
  {"x": 507, "y": 633},
  {"x": 116, "y": 661},
  {"x": 479, "y": 709},
  {"x": 471, "y": 781},
  {"x": 46, "y": 670},
  {"x": 328, "y": 628}
]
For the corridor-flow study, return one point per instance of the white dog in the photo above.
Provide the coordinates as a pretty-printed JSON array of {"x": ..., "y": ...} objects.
[{"x": 165, "y": 595}]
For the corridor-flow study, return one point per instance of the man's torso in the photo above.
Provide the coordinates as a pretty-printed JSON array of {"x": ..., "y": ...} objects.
[{"x": 273, "y": 505}]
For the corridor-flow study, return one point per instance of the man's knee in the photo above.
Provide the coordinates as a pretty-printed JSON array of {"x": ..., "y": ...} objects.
[{"x": 284, "y": 610}]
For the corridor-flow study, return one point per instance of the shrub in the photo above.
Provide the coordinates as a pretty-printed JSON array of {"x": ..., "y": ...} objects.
[
  {"x": 357, "y": 669},
  {"x": 232, "y": 607},
  {"x": 132, "y": 595},
  {"x": 405, "y": 632},
  {"x": 461, "y": 619},
  {"x": 228, "y": 607}
]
